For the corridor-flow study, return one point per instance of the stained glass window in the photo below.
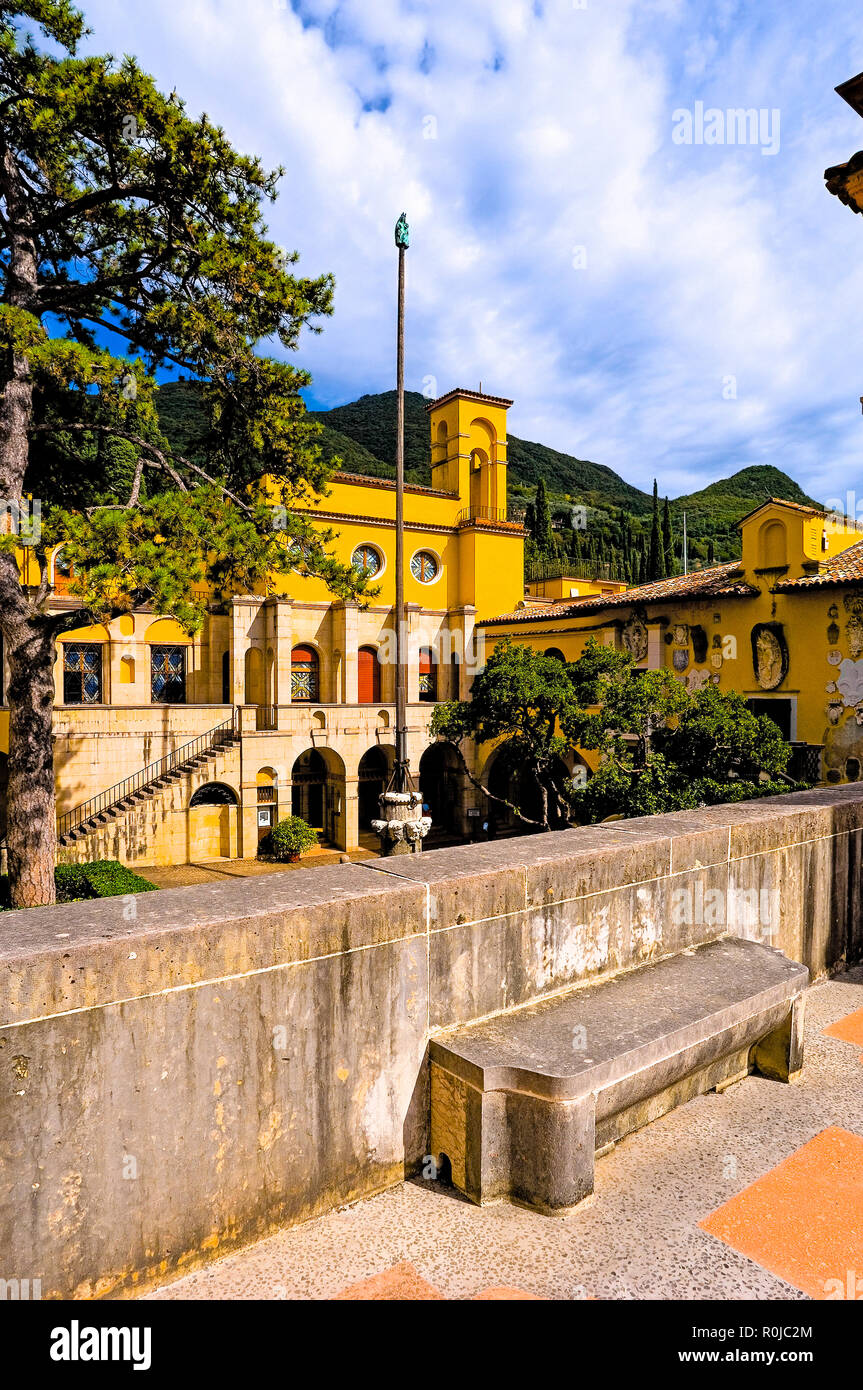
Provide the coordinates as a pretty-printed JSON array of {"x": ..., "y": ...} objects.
[
  {"x": 304, "y": 674},
  {"x": 424, "y": 567},
  {"x": 168, "y": 675},
  {"x": 366, "y": 559},
  {"x": 82, "y": 673}
]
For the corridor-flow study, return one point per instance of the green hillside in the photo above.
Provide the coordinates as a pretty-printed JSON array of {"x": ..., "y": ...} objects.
[
  {"x": 361, "y": 436},
  {"x": 740, "y": 492}
]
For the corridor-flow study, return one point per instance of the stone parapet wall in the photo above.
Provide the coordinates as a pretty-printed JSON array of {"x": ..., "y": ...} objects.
[{"x": 241, "y": 1056}]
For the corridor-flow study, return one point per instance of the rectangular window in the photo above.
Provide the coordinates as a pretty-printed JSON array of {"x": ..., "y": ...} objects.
[
  {"x": 82, "y": 673},
  {"x": 168, "y": 675}
]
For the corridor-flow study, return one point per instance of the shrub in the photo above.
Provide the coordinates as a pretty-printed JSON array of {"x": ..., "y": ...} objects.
[
  {"x": 292, "y": 836},
  {"x": 104, "y": 878}
]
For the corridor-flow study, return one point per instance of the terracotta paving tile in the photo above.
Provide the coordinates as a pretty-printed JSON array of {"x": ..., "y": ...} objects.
[
  {"x": 849, "y": 1029},
  {"x": 803, "y": 1220},
  {"x": 503, "y": 1294},
  {"x": 402, "y": 1281}
]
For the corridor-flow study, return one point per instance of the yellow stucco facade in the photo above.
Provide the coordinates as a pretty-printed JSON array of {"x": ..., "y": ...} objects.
[
  {"x": 305, "y": 682},
  {"x": 784, "y": 626}
]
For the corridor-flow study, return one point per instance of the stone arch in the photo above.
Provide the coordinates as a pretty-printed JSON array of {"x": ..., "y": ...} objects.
[
  {"x": 772, "y": 545},
  {"x": 505, "y": 778},
  {"x": 254, "y": 693},
  {"x": 372, "y": 777},
  {"x": 214, "y": 794},
  {"x": 442, "y": 785},
  {"x": 318, "y": 792}
]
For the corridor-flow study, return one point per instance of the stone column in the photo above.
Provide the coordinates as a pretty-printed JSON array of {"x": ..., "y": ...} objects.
[
  {"x": 471, "y": 651},
  {"x": 346, "y": 626},
  {"x": 283, "y": 641},
  {"x": 413, "y": 612},
  {"x": 350, "y": 817}
]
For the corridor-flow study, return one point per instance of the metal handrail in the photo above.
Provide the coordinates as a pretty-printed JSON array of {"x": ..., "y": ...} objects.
[
  {"x": 538, "y": 570},
  {"x": 213, "y": 739},
  {"x": 483, "y": 514}
]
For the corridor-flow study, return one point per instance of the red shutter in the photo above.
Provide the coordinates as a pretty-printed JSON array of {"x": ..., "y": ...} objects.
[{"x": 368, "y": 676}]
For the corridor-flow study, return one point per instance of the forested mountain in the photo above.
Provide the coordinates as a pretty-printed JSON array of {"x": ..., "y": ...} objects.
[{"x": 619, "y": 534}]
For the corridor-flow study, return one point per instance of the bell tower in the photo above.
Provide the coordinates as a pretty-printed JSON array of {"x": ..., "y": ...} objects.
[{"x": 468, "y": 442}]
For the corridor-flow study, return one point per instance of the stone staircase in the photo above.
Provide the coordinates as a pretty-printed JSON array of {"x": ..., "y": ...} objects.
[{"x": 149, "y": 781}]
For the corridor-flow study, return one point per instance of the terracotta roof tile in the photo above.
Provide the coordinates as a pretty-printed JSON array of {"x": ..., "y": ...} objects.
[
  {"x": 473, "y": 395},
  {"x": 717, "y": 582},
  {"x": 844, "y": 568}
]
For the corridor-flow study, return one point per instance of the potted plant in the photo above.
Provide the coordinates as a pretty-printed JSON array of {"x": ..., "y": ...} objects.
[{"x": 291, "y": 838}]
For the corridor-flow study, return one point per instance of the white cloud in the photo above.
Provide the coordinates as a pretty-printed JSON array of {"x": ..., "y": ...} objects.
[{"x": 552, "y": 129}]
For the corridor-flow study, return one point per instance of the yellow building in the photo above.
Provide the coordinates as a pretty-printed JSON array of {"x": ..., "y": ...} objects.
[
  {"x": 783, "y": 625},
  {"x": 170, "y": 748}
]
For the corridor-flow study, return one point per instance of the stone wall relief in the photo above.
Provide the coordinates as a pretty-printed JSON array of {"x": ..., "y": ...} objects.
[
  {"x": 634, "y": 636},
  {"x": 769, "y": 655}
]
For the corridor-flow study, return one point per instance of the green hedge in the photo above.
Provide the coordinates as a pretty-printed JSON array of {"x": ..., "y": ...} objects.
[{"x": 103, "y": 878}]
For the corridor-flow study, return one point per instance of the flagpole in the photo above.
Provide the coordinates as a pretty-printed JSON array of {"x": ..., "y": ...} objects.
[{"x": 401, "y": 769}]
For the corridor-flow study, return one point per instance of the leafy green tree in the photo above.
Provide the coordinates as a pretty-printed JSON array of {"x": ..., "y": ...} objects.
[
  {"x": 123, "y": 220},
  {"x": 649, "y": 734},
  {"x": 523, "y": 700},
  {"x": 662, "y": 749}
]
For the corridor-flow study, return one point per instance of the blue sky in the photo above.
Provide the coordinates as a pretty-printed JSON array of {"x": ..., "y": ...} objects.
[{"x": 668, "y": 309}]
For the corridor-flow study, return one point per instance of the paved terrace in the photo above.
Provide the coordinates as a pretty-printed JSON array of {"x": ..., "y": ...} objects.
[
  {"x": 753, "y": 1193},
  {"x": 245, "y": 1061}
]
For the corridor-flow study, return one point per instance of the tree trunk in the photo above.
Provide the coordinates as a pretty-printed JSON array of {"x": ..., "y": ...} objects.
[{"x": 31, "y": 828}]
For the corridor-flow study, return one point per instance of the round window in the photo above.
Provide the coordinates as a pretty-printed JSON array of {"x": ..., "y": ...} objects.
[
  {"x": 424, "y": 567},
  {"x": 367, "y": 559}
]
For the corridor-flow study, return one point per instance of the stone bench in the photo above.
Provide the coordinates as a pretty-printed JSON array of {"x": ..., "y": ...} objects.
[{"x": 522, "y": 1102}]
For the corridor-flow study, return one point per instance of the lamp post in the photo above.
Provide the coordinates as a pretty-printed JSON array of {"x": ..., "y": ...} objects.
[{"x": 402, "y": 825}]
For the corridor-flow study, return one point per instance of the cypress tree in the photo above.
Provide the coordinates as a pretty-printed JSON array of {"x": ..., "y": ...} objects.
[
  {"x": 542, "y": 519},
  {"x": 656, "y": 557},
  {"x": 667, "y": 541}
]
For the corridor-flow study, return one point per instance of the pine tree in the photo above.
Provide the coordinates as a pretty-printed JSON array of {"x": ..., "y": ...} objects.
[{"x": 121, "y": 217}]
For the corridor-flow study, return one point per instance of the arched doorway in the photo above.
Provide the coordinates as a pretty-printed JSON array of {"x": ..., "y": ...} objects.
[
  {"x": 441, "y": 787},
  {"x": 505, "y": 778},
  {"x": 368, "y": 676},
  {"x": 212, "y": 822},
  {"x": 309, "y": 789},
  {"x": 372, "y": 780}
]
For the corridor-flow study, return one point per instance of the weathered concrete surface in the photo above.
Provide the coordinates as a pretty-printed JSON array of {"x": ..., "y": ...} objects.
[
  {"x": 524, "y": 1098},
  {"x": 244, "y": 1055}
]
